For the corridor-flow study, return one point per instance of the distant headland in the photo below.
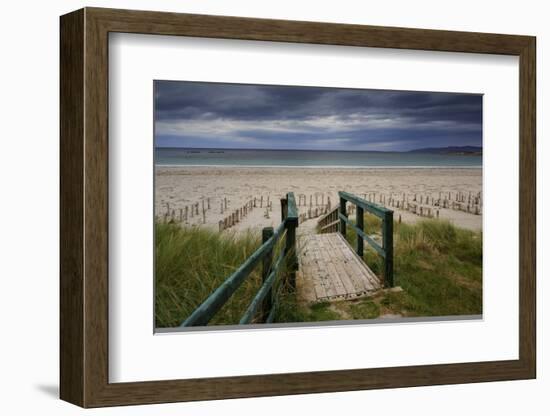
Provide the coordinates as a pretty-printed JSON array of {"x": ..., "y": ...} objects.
[{"x": 451, "y": 150}]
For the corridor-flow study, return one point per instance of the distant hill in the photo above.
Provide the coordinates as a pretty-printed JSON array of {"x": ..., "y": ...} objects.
[{"x": 454, "y": 150}]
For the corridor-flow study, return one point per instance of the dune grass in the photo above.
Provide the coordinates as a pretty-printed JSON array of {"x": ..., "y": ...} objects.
[
  {"x": 437, "y": 265},
  {"x": 190, "y": 263}
]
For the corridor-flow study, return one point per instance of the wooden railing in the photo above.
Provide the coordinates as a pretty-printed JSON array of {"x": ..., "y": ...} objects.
[
  {"x": 264, "y": 302},
  {"x": 329, "y": 223},
  {"x": 337, "y": 221}
]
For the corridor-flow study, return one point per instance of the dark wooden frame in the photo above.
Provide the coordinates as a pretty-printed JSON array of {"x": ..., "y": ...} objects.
[{"x": 84, "y": 208}]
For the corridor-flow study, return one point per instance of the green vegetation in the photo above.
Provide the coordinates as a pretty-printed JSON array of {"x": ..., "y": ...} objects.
[
  {"x": 289, "y": 310},
  {"x": 190, "y": 263},
  {"x": 366, "y": 309},
  {"x": 437, "y": 265}
]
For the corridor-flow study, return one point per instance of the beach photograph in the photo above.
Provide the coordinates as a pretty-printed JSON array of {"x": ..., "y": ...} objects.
[{"x": 294, "y": 205}]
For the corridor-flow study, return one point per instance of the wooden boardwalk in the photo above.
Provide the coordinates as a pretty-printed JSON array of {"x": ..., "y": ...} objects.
[{"x": 329, "y": 269}]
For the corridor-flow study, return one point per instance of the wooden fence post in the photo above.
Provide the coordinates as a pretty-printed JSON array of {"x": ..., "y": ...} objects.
[
  {"x": 290, "y": 247},
  {"x": 343, "y": 212},
  {"x": 290, "y": 243},
  {"x": 267, "y": 304},
  {"x": 387, "y": 244},
  {"x": 284, "y": 207},
  {"x": 359, "y": 219}
]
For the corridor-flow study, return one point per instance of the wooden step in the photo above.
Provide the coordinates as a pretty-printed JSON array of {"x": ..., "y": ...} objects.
[{"x": 331, "y": 270}]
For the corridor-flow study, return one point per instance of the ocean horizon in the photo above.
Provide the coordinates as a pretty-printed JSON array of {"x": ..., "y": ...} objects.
[{"x": 167, "y": 156}]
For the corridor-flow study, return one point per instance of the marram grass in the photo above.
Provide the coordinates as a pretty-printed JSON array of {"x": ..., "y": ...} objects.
[
  {"x": 190, "y": 263},
  {"x": 437, "y": 265}
]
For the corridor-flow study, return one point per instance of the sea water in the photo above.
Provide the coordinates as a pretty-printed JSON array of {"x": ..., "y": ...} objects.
[{"x": 309, "y": 158}]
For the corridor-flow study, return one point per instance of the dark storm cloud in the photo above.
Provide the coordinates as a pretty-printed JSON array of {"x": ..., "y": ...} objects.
[{"x": 193, "y": 114}]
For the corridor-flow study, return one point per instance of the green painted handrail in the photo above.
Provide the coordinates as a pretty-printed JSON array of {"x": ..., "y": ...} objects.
[
  {"x": 371, "y": 207},
  {"x": 262, "y": 293},
  {"x": 292, "y": 209},
  {"x": 377, "y": 247},
  {"x": 386, "y": 250},
  {"x": 206, "y": 310}
]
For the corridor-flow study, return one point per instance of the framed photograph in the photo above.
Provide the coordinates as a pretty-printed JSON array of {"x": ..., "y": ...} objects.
[{"x": 255, "y": 207}]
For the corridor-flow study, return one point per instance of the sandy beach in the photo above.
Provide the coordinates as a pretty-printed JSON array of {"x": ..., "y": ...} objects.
[{"x": 214, "y": 187}]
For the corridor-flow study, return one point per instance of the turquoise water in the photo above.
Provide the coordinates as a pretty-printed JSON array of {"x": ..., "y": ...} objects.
[{"x": 308, "y": 158}]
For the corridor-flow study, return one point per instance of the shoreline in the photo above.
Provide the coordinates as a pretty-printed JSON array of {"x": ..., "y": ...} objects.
[{"x": 313, "y": 166}]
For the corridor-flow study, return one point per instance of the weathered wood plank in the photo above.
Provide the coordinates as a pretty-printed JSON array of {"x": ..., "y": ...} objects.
[
  {"x": 329, "y": 262},
  {"x": 362, "y": 270},
  {"x": 350, "y": 266},
  {"x": 322, "y": 277},
  {"x": 309, "y": 267},
  {"x": 335, "y": 252},
  {"x": 331, "y": 266},
  {"x": 345, "y": 264}
]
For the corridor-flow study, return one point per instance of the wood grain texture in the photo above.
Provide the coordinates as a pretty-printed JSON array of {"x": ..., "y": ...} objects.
[
  {"x": 329, "y": 265},
  {"x": 527, "y": 208},
  {"x": 84, "y": 207},
  {"x": 71, "y": 208}
]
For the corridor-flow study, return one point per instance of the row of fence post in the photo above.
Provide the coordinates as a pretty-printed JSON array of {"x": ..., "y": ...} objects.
[
  {"x": 187, "y": 212},
  {"x": 236, "y": 216}
]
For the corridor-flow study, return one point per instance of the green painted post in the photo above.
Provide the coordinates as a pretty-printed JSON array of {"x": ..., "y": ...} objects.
[
  {"x": 387, "y": 244},
  {"x": 288, "y": 207},
  {"x": 290, "y": 250},
  {"x": 343, "y": 212},
  {"x": 267, "y": 303},
  {"x": 359, "y": 219},
  {"x": 284, "y": 208}
]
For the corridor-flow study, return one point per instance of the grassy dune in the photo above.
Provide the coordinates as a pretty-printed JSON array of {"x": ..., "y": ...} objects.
[
  {"x": 437, "y": 265},
  {"x": 190, "y": 263}
]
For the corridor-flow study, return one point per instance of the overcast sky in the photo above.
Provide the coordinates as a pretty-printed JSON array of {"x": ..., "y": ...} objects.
[{"x": 216, "y": 115}]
